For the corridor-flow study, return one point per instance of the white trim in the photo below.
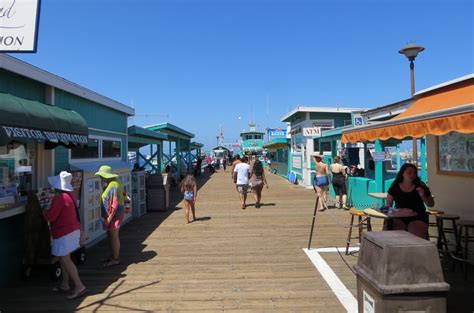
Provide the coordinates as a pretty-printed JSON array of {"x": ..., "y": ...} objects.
[
  {"x": 12, "y": 212},
  {"x": 107, "y": 131},
  {"x": 334, "y": 249},
  {"x": 466, "y": 108},
  {"x": 22, "y": 68},
  {"x": 321, "y": 110},
  {"x": 450, "y": 82},
  {"x": 344, "y": 296},
  {"x": 100, "y": 152}
]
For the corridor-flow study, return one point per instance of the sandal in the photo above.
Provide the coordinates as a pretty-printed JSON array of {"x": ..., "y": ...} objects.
[
  {"x": 243, "y": 206},
  {"x": 111, "y": 262},
  {"x": 77, "y": 294}
]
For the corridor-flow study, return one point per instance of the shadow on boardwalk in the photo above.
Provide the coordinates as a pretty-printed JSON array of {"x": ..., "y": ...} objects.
[{"x": 103, "y": 284}]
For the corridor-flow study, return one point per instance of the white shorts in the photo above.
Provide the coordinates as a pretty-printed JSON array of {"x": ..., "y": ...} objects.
[{"x": 66, "y": 244}]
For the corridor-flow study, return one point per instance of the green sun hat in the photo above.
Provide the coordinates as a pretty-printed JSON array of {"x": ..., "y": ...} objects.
[{"x": 105, "y": 171}]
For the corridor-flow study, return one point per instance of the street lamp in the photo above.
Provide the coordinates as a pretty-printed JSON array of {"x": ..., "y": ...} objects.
[{"x": 411, "y": 50}]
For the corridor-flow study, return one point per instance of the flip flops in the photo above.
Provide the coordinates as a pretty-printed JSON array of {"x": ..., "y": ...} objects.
[{"x": 77, "y": 294}]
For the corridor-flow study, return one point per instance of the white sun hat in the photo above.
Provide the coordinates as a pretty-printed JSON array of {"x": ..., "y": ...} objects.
[{"x": 61, "y": 181}]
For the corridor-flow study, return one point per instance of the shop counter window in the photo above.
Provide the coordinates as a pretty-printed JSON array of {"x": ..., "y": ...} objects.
[
  {"x": 16, "y": 174},
  {"x": 89, "y": 151},
  {"x": 111, "y": 149},
  {"x": 455, "y": 154}
]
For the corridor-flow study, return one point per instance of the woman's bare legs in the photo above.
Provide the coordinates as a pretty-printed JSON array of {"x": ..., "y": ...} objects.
[
  {"x": 71, "y": 271},
  {"x": 344, "y": 201},
  {"x": 186, "y": 211},
  {"x": 193, "y": 210},
  {"x": 255, "y": 196},
  {"x": 319, "y": 192},
  {"x": 418, "y": 228},
  {"x": 114, "y": 243}
]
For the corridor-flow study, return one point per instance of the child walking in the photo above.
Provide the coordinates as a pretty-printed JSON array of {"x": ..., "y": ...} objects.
[{"x": 189, "y": 187}]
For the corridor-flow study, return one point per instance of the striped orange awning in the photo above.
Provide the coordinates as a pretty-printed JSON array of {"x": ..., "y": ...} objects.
[{"x": 436, "y": 112}]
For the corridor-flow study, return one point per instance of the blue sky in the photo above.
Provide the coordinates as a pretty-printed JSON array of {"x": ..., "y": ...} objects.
[{"x": 207, "y": 63}]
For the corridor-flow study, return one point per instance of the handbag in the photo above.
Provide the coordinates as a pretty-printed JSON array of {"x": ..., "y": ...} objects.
[
  {"x": 82, "y": 236},
  {"x": 321, "y": 181}
]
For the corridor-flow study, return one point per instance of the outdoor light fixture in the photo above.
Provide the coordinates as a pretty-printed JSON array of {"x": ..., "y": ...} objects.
[{"x": 411, "y": 50}]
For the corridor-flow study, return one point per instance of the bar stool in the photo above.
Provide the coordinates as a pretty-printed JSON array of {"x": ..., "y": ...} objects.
[
  {"x": 463, "y": 252},
  {"x": 433, "y": 213},
  {"x": 442, "y": 242},
  {"x": 361, "y": 225}
]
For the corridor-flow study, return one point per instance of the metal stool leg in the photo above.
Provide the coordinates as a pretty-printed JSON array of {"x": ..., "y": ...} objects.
[
  {"x": 442, "y": 237},
  {"x": 349, "y": 236}
]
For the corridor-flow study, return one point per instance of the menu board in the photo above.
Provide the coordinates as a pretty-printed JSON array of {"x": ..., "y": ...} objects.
[
  {"x": 76, "y": 182},
  {"x": 456, "y": 153}
]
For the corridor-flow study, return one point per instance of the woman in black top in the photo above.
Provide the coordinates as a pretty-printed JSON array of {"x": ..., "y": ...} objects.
[{"x": 408, "y": 191}]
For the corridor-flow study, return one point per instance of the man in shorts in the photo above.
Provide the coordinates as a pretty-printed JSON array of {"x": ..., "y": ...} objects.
[{"x": 241, "y": 178}]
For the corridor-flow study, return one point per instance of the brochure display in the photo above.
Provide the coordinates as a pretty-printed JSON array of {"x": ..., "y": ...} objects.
[
  {"x": 138, "y": 193},
  {"x": 125, "y": 179}
]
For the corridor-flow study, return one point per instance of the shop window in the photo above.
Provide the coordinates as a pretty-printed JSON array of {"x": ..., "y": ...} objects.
[
  {"x": 16, "y": 175},
  {"x": 316, "y": 145},
  {"x": 296, "y": 142},
  {"x": 326, "y": 146},
  {"x": 111, "y": 149},
  {"x": 90, "y": 151},
  {"x": 347, "y": 122},
  {"x": 324, "y": 124}
]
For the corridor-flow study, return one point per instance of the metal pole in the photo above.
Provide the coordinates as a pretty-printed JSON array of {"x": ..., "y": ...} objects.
[
  {"x": 312, "y": 224},
  {"x": 414, "y": 146}
]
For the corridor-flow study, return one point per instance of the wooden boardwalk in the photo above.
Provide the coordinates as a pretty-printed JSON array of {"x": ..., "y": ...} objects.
[{"x": 230, "y": 260}]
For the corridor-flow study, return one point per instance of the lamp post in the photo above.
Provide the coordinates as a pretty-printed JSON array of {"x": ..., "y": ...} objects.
[{"x": 411, "y": 51}]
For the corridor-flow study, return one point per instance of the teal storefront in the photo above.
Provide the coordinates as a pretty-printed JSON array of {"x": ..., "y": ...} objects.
[{"x": 48, "y": 124}]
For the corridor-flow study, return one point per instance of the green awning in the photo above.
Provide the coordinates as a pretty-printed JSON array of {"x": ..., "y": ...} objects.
[
  {"x": 24, "y": 120},
  {"x": 139, "y": 137}
]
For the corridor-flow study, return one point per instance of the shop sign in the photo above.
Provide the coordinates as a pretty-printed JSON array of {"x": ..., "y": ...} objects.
[
  {"x": 41, "y": 135},
  {"x": 19, "y": 21},
  {"x": 379, "y": 156},
  {"x": 276, "y": 132},
  {"x": 312, "y": 131},
  {"x": 296, "y": 162}
]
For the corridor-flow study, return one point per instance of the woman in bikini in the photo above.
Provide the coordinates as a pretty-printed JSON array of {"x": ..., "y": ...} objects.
[
  {"x": 257, "y": 179},
  {"x": 189, "y": 188},
  {"x": 321, "y": 181}
]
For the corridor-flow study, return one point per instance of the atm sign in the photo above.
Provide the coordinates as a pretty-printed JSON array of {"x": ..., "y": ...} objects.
[{"x": 312, "y": 131}]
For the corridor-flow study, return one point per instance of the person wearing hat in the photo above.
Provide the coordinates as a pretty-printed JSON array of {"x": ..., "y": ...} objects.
[
  {"x": 65, "y": 231},
  {"x": 321, "y": 180},
  {"x": 112, "y": 210}
]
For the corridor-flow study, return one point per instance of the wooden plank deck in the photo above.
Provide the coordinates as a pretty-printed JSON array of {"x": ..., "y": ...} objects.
[{"x": 232, "y": 260}]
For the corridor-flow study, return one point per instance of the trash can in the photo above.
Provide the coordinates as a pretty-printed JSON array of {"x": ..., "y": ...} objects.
[
  {"x": 399, "y": 272},
  {"x": 155, "y": 194}
]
